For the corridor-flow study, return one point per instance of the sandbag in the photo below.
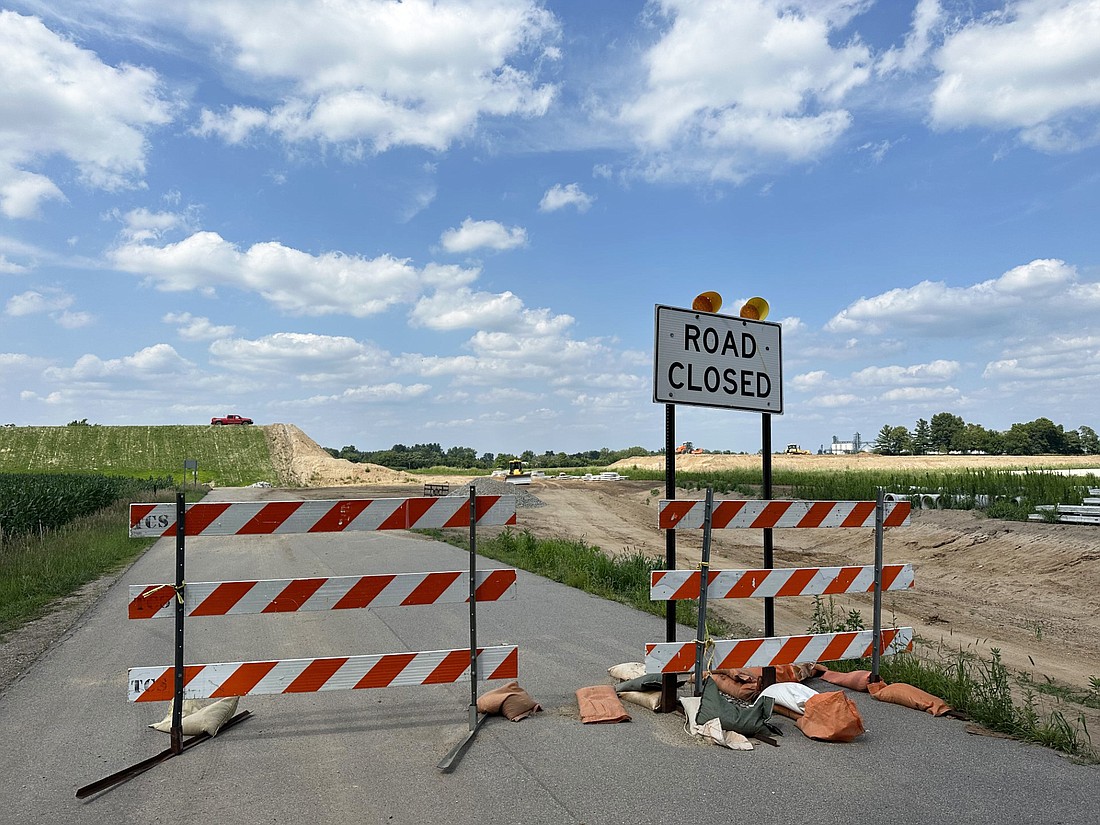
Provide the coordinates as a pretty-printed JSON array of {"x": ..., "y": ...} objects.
[
  {"x": 600, "y": 704},
  {"x": 711, "y": 731},
  {"x": 199, "y": 718},
  {"x": 831, "y": 717},
  {"x": 790, "y": 695},
  {"x": 510, "y": 701},
  {"x": 647, "y": 681},
  {"x": 748, "y": 720},
  {"x": 650, "y": 699},
  {"x": 908, "y": 696},
  {"x": 626, "y": 670},
  {"x": 740, "y": 683},
  {"x": 853, "y": 680}
]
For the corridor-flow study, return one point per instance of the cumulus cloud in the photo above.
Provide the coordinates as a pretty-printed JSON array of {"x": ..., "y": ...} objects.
[
  {"x": 473, "y": 235},
  {"x": 292, "y": 280},
  {"x": 196, "y": 328},
  {"x": 933, "y": 372},
  {"x": 378, "y": 73},
  {"x": 1034, "y": 68},
  {"x": 57, "y": 99},
  {"x": 465, "y": 309},
  {"x": 151, "y": 364},
  {"x": 306, "y": 357},
  {"x": 1031, "y": 291},
  {"x": 732, "y": 85},
  {"x": 558, "y": 197}
]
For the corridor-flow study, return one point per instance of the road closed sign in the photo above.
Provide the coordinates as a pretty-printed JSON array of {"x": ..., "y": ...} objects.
[{"x": 717, "y": 361}]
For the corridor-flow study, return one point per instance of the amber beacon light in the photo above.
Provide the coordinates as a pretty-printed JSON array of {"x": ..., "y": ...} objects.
[
  {"x": 755, "y": 309},
  {"x": 707, "y": 302}
]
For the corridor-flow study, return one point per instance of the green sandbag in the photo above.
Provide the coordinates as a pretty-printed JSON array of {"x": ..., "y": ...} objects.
[{"x": 747, "y": 720}]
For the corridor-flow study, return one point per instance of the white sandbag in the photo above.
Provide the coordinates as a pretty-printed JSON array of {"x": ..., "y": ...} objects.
[
  {"x": 626, "y": 671},
  {"x": 791, "y": 695}
]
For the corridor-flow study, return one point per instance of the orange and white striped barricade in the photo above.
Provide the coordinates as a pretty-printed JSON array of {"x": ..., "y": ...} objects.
[
  {"x": 666, "y": 585},
  {"x": 216, "y": 680}
]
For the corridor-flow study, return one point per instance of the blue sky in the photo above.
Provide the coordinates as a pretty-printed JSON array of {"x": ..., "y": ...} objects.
[{"x": 451, "y": 222}]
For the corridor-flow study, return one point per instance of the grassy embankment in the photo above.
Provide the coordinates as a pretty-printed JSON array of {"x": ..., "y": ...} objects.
[
  {"x": 227, "y": 456},
  {"x": 51, "y": 545}
]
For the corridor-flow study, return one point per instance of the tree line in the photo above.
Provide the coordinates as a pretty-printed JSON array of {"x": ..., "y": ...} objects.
[
  {"x": 949, "y": 433},
  {"x": 422, "y": 456}
]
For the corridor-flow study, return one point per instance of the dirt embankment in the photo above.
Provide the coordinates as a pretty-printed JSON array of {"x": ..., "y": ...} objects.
[{"x": 301, "y": 462}]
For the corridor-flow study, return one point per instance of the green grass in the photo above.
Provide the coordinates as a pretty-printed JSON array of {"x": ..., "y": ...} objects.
[
  {"x": 982, "y": 689},
  {"x": 228, "y": 456},
  {"x": 623, "y": 578},
  {"x": 38, "y": 569}
]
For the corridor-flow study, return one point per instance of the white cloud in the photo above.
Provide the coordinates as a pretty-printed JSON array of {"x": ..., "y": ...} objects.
[
  {"x": 1035, "y": 68},
  {"x": 473, "y": 235},
  {"x": 1028, "y": 292},
  {"x": 933, "y": 372},
  {"x": 151, "y": 364},
  {"x": 392, "y": 391},
  {"x": 294, "y": 281},
  {"x": 384, "y": 74},
  {"x": 464, "y": 309},
  {"x": 142, "y": 224},
  {"x": 558, "y": 197},
  {"x": 732, "y": 85},
  {"x": 306, "y": 357},
  {"x": 36, "y": 302},
  {"x": 927, "y": 17},
  {"x": 196, "y": 328},
  {"x": 57, "y": 99},
  {"x": 921, "y": 395},
  {"x": 10, "y": 267}
]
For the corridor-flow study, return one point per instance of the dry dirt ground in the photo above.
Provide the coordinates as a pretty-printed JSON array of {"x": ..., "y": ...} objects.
[{"x": 1030, "y": 590}]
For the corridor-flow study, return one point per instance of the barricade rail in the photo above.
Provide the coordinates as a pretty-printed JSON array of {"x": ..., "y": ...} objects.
[{"x": 771, "y": 651}]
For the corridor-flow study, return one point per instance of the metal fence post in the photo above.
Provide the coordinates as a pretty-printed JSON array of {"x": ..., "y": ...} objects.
[{"x": 177, "y": 700}]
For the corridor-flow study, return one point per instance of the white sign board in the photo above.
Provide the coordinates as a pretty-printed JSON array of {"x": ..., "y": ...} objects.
[{"x": 714, "y": 360}]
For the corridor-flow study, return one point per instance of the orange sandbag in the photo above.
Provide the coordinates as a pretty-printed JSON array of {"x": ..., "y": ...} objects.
[
  {"x": 599, "y": 704},
  {"x": 510, "y": 701},
  {"x": 831, "y": 717},
  {"x": 911, "y": 697},
  {"x": 740, "y": 683},
  {"x": 854, "y": 680}
]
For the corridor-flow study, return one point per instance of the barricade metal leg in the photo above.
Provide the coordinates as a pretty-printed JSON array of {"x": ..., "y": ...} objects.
[
  {"x": 704, "y": 581},
  {"x": 450, "y": 761},
  {"x": 876, "y": 621}
]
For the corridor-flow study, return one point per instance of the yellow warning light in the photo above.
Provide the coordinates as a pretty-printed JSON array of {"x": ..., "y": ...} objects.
[
  {"x": 707, "y": 302},
  {"x": 755, "y": 309}
]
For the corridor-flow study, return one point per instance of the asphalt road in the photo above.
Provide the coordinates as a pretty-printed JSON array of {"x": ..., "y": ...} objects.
[{"x": 370, "y": 756}]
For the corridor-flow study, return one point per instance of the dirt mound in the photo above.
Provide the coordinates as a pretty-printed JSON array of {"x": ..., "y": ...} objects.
[{"x": 301, "y": 462}]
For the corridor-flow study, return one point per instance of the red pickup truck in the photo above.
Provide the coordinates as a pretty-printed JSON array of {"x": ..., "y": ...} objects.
[{"x": 230, "y": 419}]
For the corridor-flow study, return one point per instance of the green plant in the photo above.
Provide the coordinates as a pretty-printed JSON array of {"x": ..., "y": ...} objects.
[{"x": 828, "y": 618}]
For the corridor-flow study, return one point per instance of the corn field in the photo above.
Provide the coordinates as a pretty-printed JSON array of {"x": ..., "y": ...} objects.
[{"x": 35, "y": 502}]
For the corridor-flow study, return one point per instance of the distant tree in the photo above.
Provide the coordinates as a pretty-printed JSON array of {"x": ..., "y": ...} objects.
[
  {"x": 81, "y": 423},
  {"x": 921, "y": 437},
  {"x": 893, "y": 440},
  {"x": 945, "y": 430},
  {"x": 1090, "y": 443}
]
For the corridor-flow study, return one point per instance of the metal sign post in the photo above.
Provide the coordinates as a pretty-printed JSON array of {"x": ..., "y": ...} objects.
[{"x": 709, "y": 360}]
